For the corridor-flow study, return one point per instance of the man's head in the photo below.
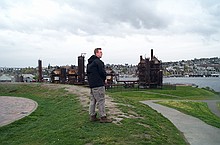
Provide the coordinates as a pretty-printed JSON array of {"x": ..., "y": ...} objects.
[{"x": 98, "y": 52}]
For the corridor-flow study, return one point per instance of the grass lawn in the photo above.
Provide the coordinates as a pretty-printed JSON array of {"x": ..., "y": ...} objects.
[
  {"x": 218, "y": 104},
  {"x": 196, "y": 109},
  {"x": 181, "y": 92},
  {"x": 61, "y": 119}
]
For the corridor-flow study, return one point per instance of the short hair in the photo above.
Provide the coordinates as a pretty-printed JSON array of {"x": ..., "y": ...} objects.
[{"x": 96, "y": 50}]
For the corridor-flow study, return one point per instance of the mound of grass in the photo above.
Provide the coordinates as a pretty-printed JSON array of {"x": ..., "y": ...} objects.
[
  {"x": 196, "y": 109},
  {"x": 181, "y": 92},
  {"x": 218, "y": 104},
  {"x": 60, "y": 119}
]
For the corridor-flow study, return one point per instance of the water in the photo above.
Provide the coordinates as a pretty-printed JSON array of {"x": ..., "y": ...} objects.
[{"x": 202, "y": 82}]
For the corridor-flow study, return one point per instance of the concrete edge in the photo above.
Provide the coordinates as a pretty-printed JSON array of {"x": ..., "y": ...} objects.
[{"x": 24, "y": 115}]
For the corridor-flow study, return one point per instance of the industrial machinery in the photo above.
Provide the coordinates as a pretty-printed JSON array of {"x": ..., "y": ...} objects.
[
  {"x": 70, "y": 75},
  {"x": 40, "y": 77},
  {"x": 150, "y": 72}
]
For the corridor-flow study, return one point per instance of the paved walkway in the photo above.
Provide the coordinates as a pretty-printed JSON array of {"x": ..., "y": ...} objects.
[
  {"x": 15, "y": 108},
  {"x": 195, "y": 131}
]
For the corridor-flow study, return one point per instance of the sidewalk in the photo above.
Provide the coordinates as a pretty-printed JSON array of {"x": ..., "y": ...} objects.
[
  {"x": 195, "y": 131},
  {"x": 15, "y": 108}
]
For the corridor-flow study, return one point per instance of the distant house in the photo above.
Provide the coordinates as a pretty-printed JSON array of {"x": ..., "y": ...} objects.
[
  {"x": 46, "y": 78},
  {"x": 215, "y": 75},
  {"x": 5, "y": 78},
  {"x": 28, "y": 77}
]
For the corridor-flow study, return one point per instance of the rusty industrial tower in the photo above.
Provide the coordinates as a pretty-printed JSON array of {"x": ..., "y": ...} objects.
[
  {"x": 40, "y": 76},
  {"x": 150, "y": 74},
  {"x": 70, "y": 75}
]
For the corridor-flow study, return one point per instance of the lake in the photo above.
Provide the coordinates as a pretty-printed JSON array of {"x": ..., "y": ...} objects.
[{"x": 202, "y": 82}]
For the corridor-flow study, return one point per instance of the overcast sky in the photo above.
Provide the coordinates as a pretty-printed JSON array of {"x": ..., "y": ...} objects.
[{"x": 58, "y": 31}]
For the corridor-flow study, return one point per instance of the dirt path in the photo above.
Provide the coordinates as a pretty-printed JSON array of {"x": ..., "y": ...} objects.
[
  {"x": 111, "y": 107},
  {"x": 84, "y": 94}
]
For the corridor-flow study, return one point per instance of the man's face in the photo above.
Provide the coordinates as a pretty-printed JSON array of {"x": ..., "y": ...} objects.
[{"x": 99, "y": 54}]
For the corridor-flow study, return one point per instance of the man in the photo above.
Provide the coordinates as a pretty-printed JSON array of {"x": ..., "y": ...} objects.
[{"x": 96, "y": 78}]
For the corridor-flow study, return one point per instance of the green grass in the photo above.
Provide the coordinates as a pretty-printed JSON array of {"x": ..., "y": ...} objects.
[
  {"x": 218, "y": 104},
  {"x": 196, "y": 109},
  {"x": 60, "y": 119},
  {"x": 181, "y": 92}
]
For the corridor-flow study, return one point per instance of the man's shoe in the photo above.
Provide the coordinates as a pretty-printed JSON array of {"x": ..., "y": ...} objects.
[
  {"x": 93, "y": 118},
  {"x": 104, "y": 119}
]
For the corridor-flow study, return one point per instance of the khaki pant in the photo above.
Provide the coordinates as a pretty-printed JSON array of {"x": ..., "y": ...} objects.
[{"x": 97, "y": 97}]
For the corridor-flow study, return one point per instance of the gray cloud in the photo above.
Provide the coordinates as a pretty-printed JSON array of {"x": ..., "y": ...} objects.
[
  {"x": 45, "y": 27},
  {"x": 110, "y": 14},
  {"x": 102, "y": 17},
  {"x": 91, "y": 17},
  {"x": 137, "y": 14}
]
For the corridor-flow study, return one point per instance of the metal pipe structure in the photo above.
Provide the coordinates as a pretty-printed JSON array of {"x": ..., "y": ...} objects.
[
  {"x": 71, "y": 75},
  {"x": 150, "y": 72},
  {"x": 40, "y": 77},
  {"x": 81, "y": 69},
  {"x": 152, "y": 54}
]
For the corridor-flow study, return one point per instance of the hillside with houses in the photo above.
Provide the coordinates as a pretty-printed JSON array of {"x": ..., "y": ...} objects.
[{"x": 204, "y": 67}]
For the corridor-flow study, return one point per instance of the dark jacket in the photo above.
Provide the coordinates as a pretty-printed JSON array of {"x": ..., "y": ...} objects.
[{"x": 96, "y": 72}]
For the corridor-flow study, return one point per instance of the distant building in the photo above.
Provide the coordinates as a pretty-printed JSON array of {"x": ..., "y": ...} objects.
[
  {"x": 46, "y": 78},
  {"x": 5, "y": 78},
  {"x": 28, "y": 77}
]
